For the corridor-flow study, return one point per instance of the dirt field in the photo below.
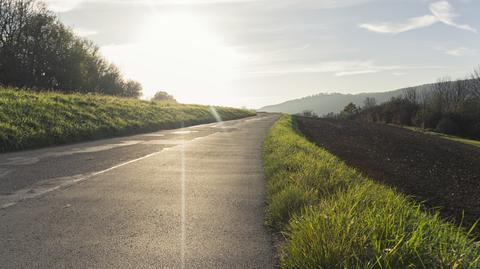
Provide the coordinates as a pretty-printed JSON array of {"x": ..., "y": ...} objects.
[{"x": 444, "y": 173}]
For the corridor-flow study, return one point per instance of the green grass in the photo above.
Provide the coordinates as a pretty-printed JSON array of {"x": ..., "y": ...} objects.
[
  {"x": 333, "y": 217},
  {"x": 446, "y": 136},
  {"x": 29, "y": 119}
]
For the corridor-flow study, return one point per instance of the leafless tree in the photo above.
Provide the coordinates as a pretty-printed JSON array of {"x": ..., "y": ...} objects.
[
  {"x": 458, "y": 94},
  {"x": 440, "y": 94},
  {"x": 411, "y": 95},
  {"x": 475, "y": 84},
  {"x": 369, "y": 102}
]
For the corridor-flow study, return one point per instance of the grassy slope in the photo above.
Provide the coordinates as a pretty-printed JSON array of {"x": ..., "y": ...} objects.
[
  {"x": 333, "y": 217},
  {"x": 450, "y": 137},
  {"x": 29, "y": 119}
]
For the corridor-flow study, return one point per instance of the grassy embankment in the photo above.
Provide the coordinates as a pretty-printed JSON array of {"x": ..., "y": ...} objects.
[
  {"x": 333, "y": 217},
  {"x": 30, "y": 120},
  {"x": 445, "y": 136}
]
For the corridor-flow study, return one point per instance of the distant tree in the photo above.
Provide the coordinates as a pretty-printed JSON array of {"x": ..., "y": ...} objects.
[
  {"x": 162, "y": 96},
  {"x": 451, "y": 107},
  {"x": 351, "y": 109},
  {"x": 309, "y": 113},
  {"x": 459, "y": 94},
  {"x": 132, "y": 89},
  {"x": 411, "y": 95},
  {"x": 330, "y": 115},
  {"x": 475, "y": 88},
  {"x": 369, "y": 103}
]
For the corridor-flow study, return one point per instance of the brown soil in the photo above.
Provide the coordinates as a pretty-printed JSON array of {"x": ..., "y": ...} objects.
[{"x": 443, "y": 173}]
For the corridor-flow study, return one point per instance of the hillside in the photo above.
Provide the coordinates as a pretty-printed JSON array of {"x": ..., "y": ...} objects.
[
  {"x": 31, "y": 119},
  {"x": 324, "y": 103}
]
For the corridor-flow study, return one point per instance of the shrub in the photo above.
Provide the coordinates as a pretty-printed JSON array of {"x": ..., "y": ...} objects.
[{"x": 448, "y": 126}]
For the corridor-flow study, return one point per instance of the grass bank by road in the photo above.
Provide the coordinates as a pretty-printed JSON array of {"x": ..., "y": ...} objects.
[
  {"x": 445, "y": 136},
  {"x": 30, "y": 120},
  {"x": 333, "y": 217}
]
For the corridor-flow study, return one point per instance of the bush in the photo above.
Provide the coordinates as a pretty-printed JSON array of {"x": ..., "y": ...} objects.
[
  {"x": 475, "y": 130},
  {"x": 448, "y": 126}
]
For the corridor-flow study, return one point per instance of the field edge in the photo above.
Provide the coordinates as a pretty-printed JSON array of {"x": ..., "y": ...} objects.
[{"x": 324, "y": 210}]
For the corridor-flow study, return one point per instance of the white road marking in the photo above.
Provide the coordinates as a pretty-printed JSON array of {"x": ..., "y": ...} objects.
[
  {"x": 185, "y": 132},
  {"x": 153, "y": 134},
  {"x": 50, "y": 185},
  {"x": 4, "y": 172},
  {"x": 18, "y": 161}
]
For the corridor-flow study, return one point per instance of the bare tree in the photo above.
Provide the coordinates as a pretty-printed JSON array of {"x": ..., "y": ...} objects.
[
  {"x": 475, "y": 87},
  {"x": 411, "y": 95},
  {"x": 440, "y": 95},
  {"x": 458, "y": 94},
  {"x": 369, "y": 102}
]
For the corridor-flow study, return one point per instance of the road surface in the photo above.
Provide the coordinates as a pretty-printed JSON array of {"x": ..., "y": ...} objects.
[{"x": 186, "y": 198}]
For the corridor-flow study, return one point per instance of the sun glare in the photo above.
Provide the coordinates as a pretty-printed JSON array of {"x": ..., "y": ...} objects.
[{"x": 181, "y": 53}]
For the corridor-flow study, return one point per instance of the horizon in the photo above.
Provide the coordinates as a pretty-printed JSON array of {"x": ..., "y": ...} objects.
[{"x": 256, "y": 53}]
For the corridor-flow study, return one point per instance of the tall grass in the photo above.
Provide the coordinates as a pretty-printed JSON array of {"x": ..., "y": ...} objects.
[
  {"x": 30, "y": 119},
  {"x": 333, "y": 217}
]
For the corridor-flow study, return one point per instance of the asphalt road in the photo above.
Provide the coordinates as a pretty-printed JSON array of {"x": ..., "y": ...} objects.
[{"x": 186, "y": 198}]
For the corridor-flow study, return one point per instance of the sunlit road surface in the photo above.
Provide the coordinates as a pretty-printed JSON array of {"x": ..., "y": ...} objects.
[{"x": 186, "y": 198}]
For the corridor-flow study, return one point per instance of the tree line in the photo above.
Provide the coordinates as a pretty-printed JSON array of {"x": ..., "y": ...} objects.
[
  {"x": 39, "y": 52},
  {"x": 447, "y": 106}
]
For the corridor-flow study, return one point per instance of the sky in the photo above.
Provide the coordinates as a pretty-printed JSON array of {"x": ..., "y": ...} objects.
[{"x": 252, "y": 53}]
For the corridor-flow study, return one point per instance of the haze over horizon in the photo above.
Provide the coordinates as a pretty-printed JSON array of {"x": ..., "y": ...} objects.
[{"x": 256, "y": 53}]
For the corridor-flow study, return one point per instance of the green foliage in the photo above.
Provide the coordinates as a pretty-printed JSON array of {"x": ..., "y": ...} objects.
[
  {"x": 39, "y": 52},
  {"x": 333, "y": 217},
  {"x": 30, "y": 119},
  {"x": 349, "y": 111},
  {"x": 162, "y": 96}
]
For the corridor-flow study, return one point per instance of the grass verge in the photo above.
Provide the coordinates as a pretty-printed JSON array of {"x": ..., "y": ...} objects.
[
  {"x": 445, "y": 136},
  {"x": 30, "y": 119},
  {"x": 333, "y": 217}
]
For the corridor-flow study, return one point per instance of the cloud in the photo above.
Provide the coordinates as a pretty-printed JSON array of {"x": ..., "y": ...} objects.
[
  {"x": 316, "y": 4},
  {"x": 441, "y": 12},
  {"x": 62, "y": 5},
  {"x": 353, "y": 73},
  {"x": 458, "y": 52},
  {"x": 411, "y": 24},
  {"x": 339, "y": 68},
  {"x": 84, "y": 32},
  {"x": 445, "y": 13}
]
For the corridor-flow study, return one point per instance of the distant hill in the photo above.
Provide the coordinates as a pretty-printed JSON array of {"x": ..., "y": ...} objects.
[{"x": 324, "y": 103}]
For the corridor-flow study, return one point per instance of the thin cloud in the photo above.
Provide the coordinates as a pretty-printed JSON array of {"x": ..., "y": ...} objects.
[
  {"x": 411, "y": 24},
  {"x": 458, "y": 52},
  {"x": 84, "y": 32},
  {"x": 441, "y": 12},
  {"x": 338, "y": 68},
  {"x": 445, "y": 13},
  {"x": 353, "y": 73}
]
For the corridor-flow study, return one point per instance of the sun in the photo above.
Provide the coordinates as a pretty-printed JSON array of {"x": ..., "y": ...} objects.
[
  {"x": 181, "y": 53},
  {"x": 193, "y": 48}
]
